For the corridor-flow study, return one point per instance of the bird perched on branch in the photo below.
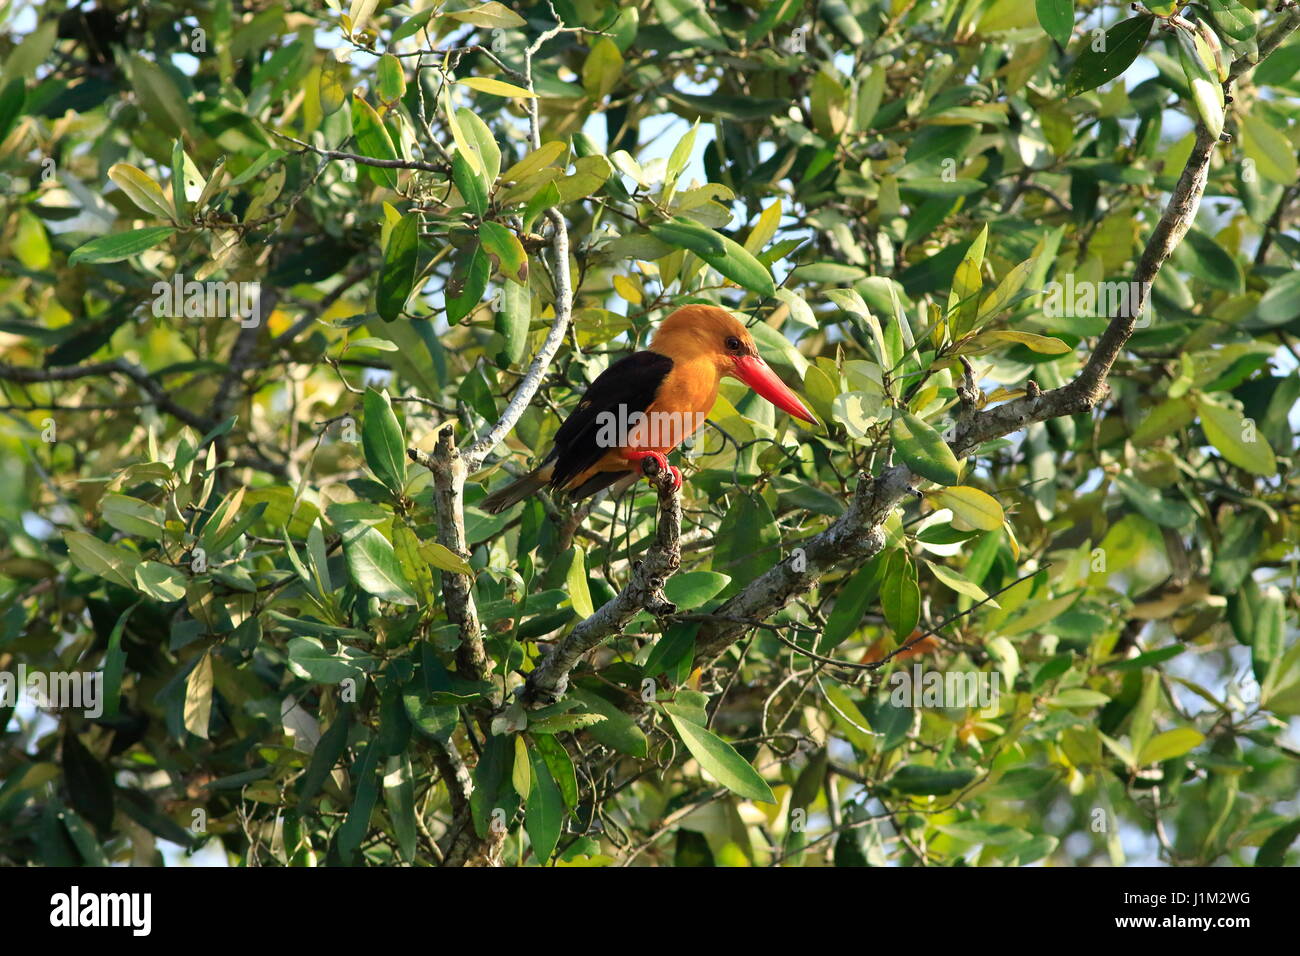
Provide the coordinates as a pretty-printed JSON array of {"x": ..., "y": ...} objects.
[{"x": 645, "y": 405}]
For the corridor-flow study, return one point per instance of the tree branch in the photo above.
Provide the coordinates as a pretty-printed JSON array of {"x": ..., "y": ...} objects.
[
  {"x": 449, "y": 471},
  {"x": 541, "y": 362},
  {"x": 550, "y": 679},
  {"x": 150, "y": 385}
]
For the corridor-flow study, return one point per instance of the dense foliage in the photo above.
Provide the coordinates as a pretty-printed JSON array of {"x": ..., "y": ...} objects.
[{"x": 311, "y": 646}]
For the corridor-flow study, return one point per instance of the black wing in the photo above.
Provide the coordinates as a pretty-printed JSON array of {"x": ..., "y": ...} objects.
[{"x": 631, "y": 382}]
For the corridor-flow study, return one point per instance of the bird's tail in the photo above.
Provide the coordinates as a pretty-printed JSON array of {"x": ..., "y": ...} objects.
[{"x": 517, "y": 490}]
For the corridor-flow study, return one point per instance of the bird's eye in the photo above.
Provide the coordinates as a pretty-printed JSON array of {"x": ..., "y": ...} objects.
[{"x": 733, "y": 344}]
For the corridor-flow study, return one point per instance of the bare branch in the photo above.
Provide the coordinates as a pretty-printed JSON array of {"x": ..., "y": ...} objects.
[
  {"x": 150, "y": 385},
  {"x": 336, "y": 154},
  {"x": 449, "y": 471},
  {"x": 549, "y": 680}
]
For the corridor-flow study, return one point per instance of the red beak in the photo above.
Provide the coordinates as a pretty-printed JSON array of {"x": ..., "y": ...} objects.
[{"x": 758, "y": 375}]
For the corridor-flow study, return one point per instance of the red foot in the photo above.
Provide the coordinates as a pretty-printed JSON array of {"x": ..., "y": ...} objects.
[{"x": 661, "y": 465}]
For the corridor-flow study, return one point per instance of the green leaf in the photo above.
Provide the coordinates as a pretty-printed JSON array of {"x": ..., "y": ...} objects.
[
  {"x": 617, "y": 730},
  {"x": 104, "y": 560},
  {"x": 382, "y": 440},
  {"x": 511, "y": 323},
  {"x": 1042, "y": 344},
  {"x": 374, "y": 567},
  {"x": 1273, "y": 154},
  {"x": 681, "y": 155},
  {"x": 366, "y": 794},
  {"x": 120, "y": 245},
  {"x": 413, "y": 25},
  {"x": 1162, "y": 507},
  {"x": 467, "y": 284},
  {"x": 723, "y": 253},
  {"x": 491, "y": 14},
  {"x": 960, "y": 584},
  {"x": 602, "y": 68},
  {"x": 521, "y": 776},
  {"x": 579, "y": 593},
  {"x": 445, "y": 559},
  {"x": 849, "y": 718},
  {"x": 482, "y": 143},
  {"x": 689, "y": 21},
  {"x": 674, "y": 650},
  {"x": 470, "y": 185},
  {"x": 563, "y": 723},
  {"x": 373, "y": 141},
  {"x": 12, "y": 99},
  {"x": 142, "y": 190},
  {"x": 160, "y": 582},
  {"x": 399, "y": 798},
  {"x": 547, "y": 197},
  {"x": 854, "y": 598},
  {"x": 1171, "y": 743},
  {"x": 929, "y": 781},
  {"x": 114, "y": 664},
  {"x": 1207, "y": 92},
  {"x": 900, "y": 597},
  {"x": 967, "y": 281},
  {"x": 132, "y": 516},
  {"x": 719, "y": 758},
  {"x": 198, "y": 697},
  {"x": 1079, "y": 697},
  {"x": 1057, "y": 18},
  {"x": 311, "y": 660},
  {"x": 397, "y": 275},
  {"x": 1272, "y": 852},
  {"x": 692, "y": 588},
  {"x": 1281, "y": 303},
  {"x": 560, "y": 765},
  {"x": 1233, "y": 19},
  {"x": 391, "y": 80},
  {"x": 1237, "y": 441},
  {"x": 1101, "y": 62},
  {"x": 544, "y": 807},
  {"x": 335, "y": 78},
  {"x": 505, "y": 251},
  {"x": 923, "y": 449}
]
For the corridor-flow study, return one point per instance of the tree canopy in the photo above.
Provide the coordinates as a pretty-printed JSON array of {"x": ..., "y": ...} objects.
[{"x": 288, "y": 287}]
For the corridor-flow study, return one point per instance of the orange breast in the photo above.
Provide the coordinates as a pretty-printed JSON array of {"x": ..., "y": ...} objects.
[{"x": 682, "y": 402}]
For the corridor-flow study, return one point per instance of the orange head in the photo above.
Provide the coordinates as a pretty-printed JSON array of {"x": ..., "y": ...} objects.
[{"x": 708, "y": 333}]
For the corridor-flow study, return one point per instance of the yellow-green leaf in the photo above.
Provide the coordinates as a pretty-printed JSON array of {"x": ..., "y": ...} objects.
[
  {"x": 534, "y": 161},
  {"x": 579, "y": 592},
  {"x": 1043, "y": 344},
  {"x": 765, "y": 228},
  {"x": 198, "y": 697},
  {"x": 445, "y": 559},
  {"x": 521, "y": 773},
  {"x": 977, "y": 508},
  {"x": 142, "y": 190},
  {"x": 1236, "y": 438},
  {"x": 963, "y": 302},
  {"x": 1171, "y": 743},
  {"x": 496, "y": 87}
]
